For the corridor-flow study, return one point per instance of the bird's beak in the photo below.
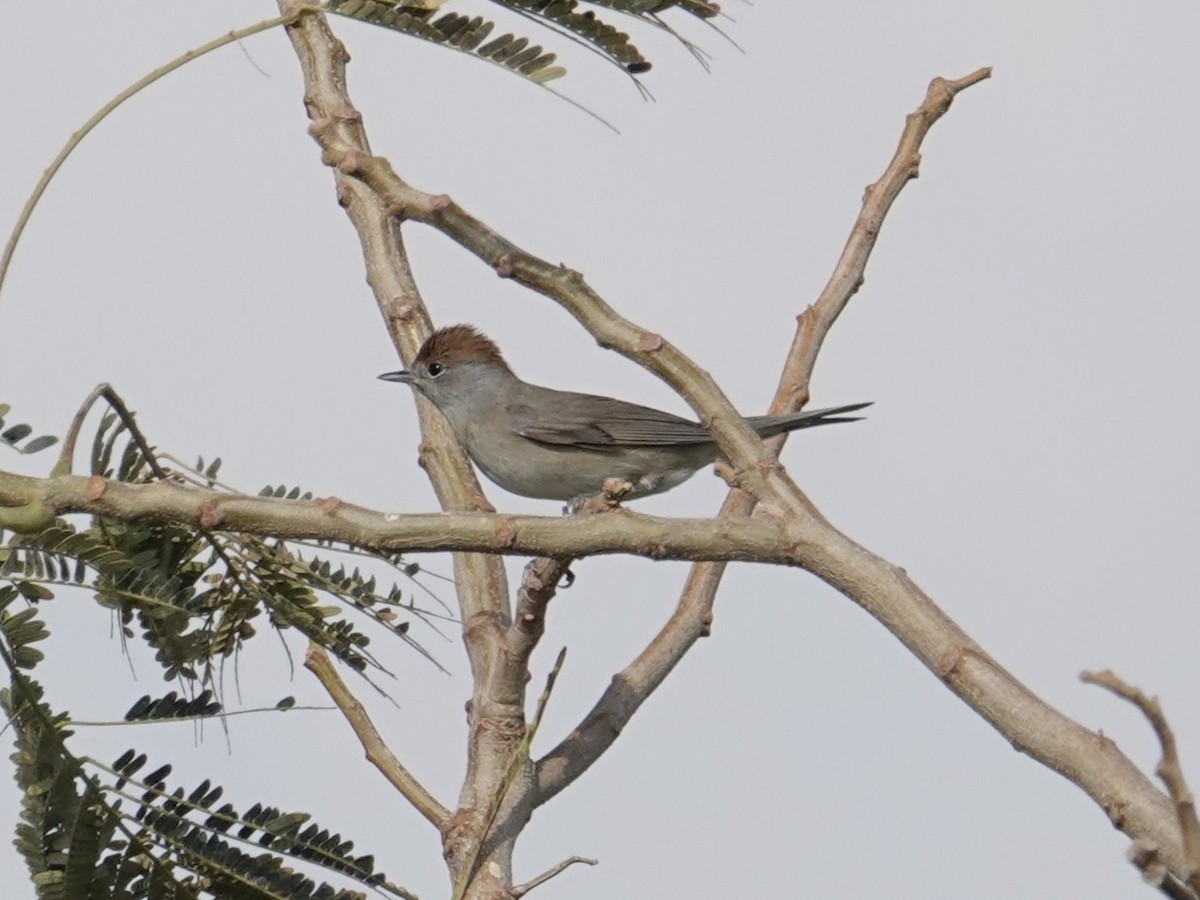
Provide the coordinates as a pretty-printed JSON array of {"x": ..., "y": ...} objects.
[{"x": 403, "y": 376}]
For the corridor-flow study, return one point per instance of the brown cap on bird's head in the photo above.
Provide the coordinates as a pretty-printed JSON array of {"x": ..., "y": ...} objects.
[{"x": 456, "y": 344}]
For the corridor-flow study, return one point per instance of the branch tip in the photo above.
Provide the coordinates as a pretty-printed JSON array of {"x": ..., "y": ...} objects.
[{"x": 522, "y": 889}]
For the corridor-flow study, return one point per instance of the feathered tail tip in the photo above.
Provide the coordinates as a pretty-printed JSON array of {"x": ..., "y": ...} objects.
[{"x": 835, "y": 413}]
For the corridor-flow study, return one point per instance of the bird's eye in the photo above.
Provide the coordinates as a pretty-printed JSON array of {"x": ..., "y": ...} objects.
[{"x": 435, "y": 369}]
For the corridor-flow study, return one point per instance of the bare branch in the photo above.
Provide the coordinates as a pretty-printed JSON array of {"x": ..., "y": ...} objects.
[
  {"x": 66, "y": 453},
  {"x": 796, "y": 531},
  {"x": 1169, "y": 769},
  {"x": 109, "y": 394},
  {"x": 848, "y": 276},
  {"x": 378, "y": 752},
  {"x": 522, "y": 889},
  {"x": 619, "y": 531}
]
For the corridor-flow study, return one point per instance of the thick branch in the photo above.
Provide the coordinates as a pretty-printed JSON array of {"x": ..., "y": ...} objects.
[
  {"x": 378, "y": 752},
  {"x": 619, "y": 531},
  {"x": 1086, "y": 758}
]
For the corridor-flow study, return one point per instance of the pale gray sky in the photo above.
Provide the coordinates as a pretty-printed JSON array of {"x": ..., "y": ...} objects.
[{"x": 1028, "y": 331}]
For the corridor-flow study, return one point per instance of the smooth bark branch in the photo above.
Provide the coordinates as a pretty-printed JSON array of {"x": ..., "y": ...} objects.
[
  {"x": 378, "y": 752},
  {"x": 1169, "y": 769},
  {"x": 619, "y": 531},
  {"x": 692, "y": 618}
]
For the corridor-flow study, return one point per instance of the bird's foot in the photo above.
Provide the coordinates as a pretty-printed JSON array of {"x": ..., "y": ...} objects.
[{"x": 610, "y": 497}]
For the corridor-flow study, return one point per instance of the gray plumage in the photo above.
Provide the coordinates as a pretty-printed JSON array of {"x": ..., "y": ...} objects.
[{"x": 560, "y": 445}]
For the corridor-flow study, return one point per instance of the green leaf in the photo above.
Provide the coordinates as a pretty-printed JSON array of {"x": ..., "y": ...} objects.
[
  {"x": 31, "y": 590},
  {"x": 39, "y": 443}
]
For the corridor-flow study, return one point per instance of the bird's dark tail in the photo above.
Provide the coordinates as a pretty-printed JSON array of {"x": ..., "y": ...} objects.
[{"x": 766, "y": 426}]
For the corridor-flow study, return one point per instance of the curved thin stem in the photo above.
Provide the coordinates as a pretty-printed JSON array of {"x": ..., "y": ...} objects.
[{"x": 102, "y": 113}]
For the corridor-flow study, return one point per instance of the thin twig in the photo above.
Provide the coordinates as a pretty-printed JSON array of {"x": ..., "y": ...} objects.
[
  {"x": 522, "y": 889},
  {"x": 127, "y": 418},
  {"x": 848, "y": 274},
  {"x": 221, "y": 715},
  {"x": 378, "y": 752},
  {"x": 147, "y": 80},
  {"x": 1169, "y": 769},
  {"x": 66, "y": 453}
]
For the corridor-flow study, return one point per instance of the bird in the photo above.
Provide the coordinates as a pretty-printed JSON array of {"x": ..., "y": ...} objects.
[{"x": 559, "y": 445}]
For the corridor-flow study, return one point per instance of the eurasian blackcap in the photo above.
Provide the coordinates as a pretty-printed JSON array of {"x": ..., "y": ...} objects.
[{"x": 559, "y": 445}]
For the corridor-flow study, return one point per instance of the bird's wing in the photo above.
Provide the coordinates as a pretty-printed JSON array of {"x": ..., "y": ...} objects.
[{"x": 604, "y": 422}]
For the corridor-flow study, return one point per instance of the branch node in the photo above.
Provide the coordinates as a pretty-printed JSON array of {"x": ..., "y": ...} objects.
[
  {"x": 506, "y": 533},
  {"x": 649, "y": 342},
  {"x": 210, "y": 516},
  {"x": 949, "y": 662},
  {"x": 348, "y": 161},
  {"x": 97, "y": 485},
  {"x": 402, "y": 307}
]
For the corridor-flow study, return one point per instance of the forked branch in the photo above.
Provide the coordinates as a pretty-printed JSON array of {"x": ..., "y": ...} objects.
[
  {"x": 1171, "y": 773},
  {"x": 692, "y": 618}
]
